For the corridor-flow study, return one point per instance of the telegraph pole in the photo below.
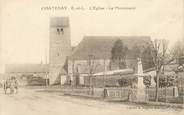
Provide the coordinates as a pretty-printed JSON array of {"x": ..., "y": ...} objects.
[
  {"x": 104, "y": 74},
  {"x": 46, "y": 74}
]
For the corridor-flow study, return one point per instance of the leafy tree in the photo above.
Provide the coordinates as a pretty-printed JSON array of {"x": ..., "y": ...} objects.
[
  {"x": 124, "y": 82},
  {"x": 119, "y": 53},
  {"x": 136, "y": 51}
]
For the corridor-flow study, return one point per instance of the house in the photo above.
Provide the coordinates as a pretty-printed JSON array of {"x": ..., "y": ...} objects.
[
  {"x": 180, "y": 72},
  {"x": 25, "y": 71},
  {"x": 39, "y": 72},
  {"x": 170, "y": 69},
  {"x": 93, "y": 55}
]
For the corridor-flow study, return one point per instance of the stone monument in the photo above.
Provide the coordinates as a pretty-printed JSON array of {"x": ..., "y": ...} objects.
[{"x": 141, "y": 96}]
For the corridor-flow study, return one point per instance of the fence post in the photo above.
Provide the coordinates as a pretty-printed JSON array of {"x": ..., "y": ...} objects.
[
  {"x": 121, "y": 92},
  {"x": 176, "y": 92},
  {"x": 105, "y": 92},
  {"x": 182, "y": 95},
  {"x": 183, "y": 102}
]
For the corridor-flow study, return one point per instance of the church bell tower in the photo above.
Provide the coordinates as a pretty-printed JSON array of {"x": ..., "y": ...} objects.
[{"x": 60, "y": 47}]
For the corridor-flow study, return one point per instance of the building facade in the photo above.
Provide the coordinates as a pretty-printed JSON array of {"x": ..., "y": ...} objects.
[{"x": 60, "y": 47}]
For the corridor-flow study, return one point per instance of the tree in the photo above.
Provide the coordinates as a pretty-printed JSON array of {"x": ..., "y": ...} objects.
[
  {"x": 91, "y": 64},
  {"x": 178, "y": 49},
  {"x": 126, "y": 81},
  {"x": 91, "y": 70},
  {"x": 159, "y": 54},
  {"x": 147, "y": 59},
  {"x": 136, "y": 51},
  {"x": 143, "y": 52},
  {"x": 119, "y": 53}
]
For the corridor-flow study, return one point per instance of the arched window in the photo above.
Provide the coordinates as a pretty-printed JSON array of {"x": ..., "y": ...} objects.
[
  {"x": 58, "y": 31},
  {"x": 62, "y": 30}
]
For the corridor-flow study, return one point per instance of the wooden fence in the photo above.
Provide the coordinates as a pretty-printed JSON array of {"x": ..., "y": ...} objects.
[
  {"x": 118, "y": 93},
  {"x": 124, "y": 93},
  {"x": 163, "y": 93}
]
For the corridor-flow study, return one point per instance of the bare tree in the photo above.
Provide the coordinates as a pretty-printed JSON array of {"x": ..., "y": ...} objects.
[
  {"x": 178, "y": 49},
  {"x": 91, "y": 69},
  {"x": 159, "y": 54}
]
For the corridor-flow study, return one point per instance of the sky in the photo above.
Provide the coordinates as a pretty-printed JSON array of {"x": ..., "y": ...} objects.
[{"x": 24, "y": 25}]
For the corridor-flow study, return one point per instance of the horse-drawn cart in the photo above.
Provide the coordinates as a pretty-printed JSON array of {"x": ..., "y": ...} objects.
[{"x": 11, "y": 84}]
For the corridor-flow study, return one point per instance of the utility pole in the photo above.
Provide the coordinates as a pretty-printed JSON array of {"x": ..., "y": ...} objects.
[
  {"x": 89, "y": 72},
  {"x": 73, "y": 72},
  {"x": 104, "y": 74},
  {"x": 46, "y": 73}
]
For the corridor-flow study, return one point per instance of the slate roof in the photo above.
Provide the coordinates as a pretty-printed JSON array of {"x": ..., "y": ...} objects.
[
  {"x": 26, "y": 68},
  {"x": 116, "y": 72},
  {"x": 100, "y": 46},
  {"x": 59, "y": 21}
]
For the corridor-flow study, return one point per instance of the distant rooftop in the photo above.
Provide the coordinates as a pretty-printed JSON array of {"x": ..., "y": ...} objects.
[{"x": 26, "y": 68}]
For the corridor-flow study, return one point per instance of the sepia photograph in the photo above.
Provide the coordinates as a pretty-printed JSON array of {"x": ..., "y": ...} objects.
[{"x": 99, "y": 57}]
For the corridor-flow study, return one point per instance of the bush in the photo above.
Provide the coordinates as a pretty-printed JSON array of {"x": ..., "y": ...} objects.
[
  {"x": 147, "y": 81},
  {"x": 166, "y": 81},
  {"x": 124, "y": 82},
  {"x": 37, "y": 81}
]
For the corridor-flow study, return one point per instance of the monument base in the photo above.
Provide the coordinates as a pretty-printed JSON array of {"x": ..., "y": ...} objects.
[{"x": 141, "y": 96}]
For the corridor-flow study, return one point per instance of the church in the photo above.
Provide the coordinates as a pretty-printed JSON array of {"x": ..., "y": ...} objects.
[{"x": 64, "y": 61}]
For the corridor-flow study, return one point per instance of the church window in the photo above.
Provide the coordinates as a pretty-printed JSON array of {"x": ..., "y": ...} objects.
[
  {"x": 62, "y": 31},
  {"x": 58, "y": 31}
]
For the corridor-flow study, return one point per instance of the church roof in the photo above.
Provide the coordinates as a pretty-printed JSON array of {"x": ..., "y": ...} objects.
[
  {"x": 26, "y": 68},
  {"x": 59, "y": 21},
  {"x": 100, "y": 46}
]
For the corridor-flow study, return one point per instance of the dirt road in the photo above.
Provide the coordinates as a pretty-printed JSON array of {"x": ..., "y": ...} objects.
[{"x": 33, "y": 102}]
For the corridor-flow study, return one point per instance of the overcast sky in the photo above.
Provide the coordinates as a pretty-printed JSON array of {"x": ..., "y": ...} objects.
[{"x": 25, "y": 27}]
